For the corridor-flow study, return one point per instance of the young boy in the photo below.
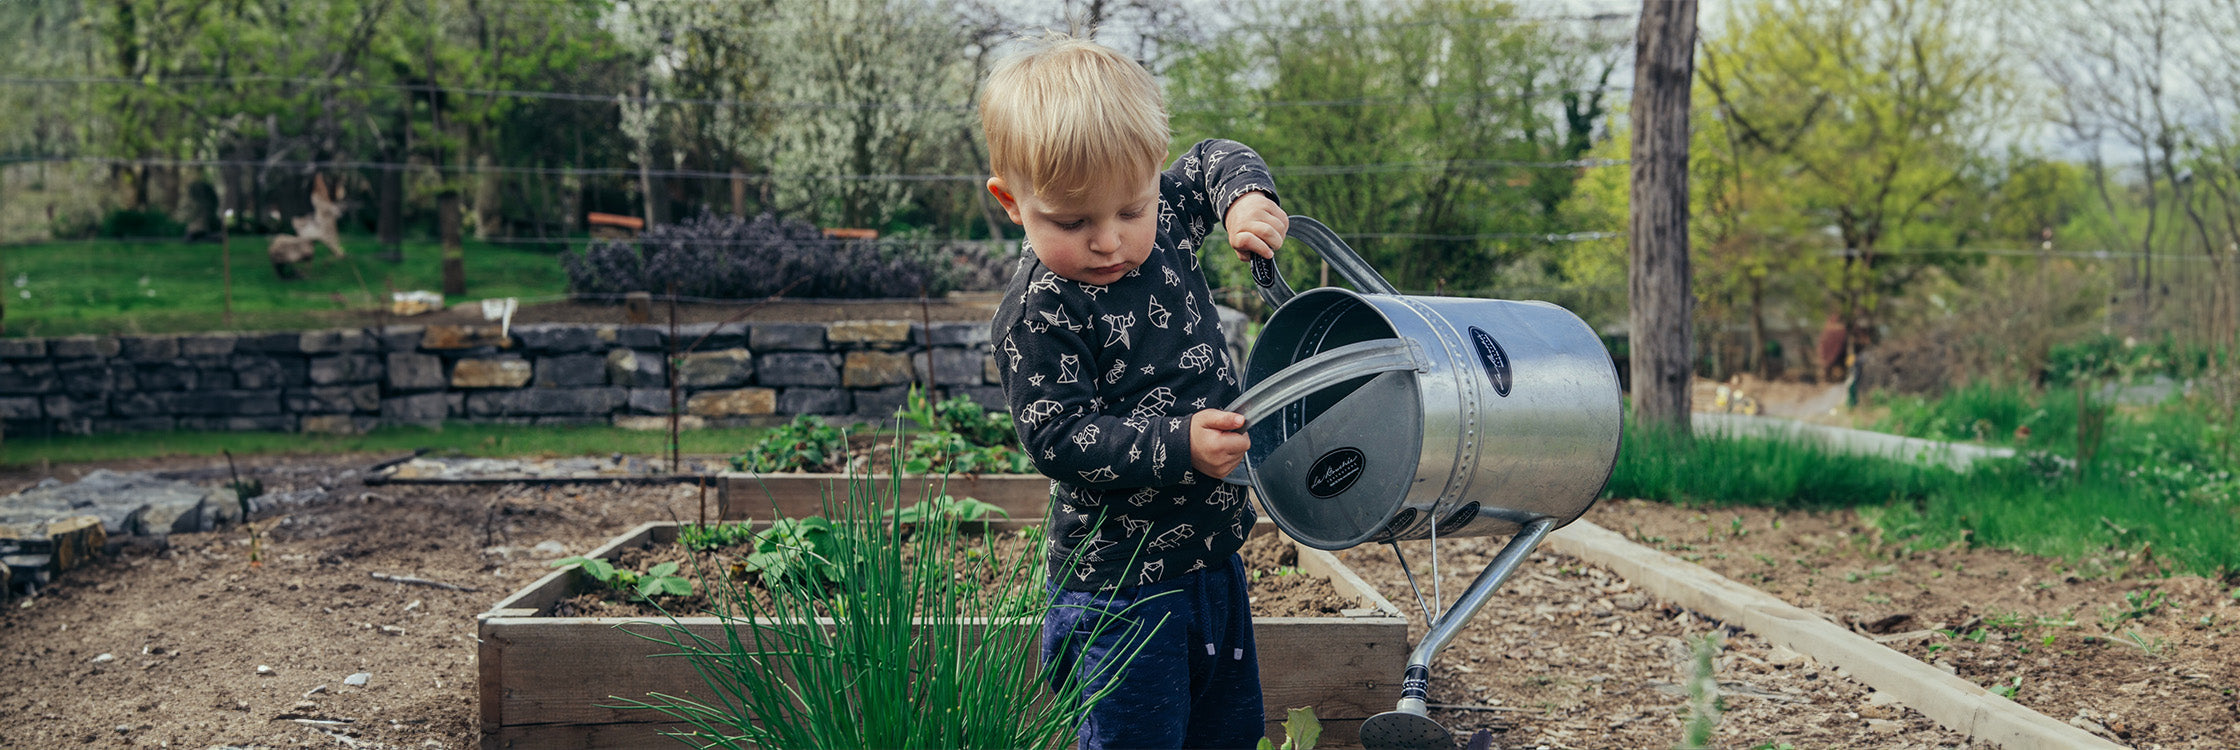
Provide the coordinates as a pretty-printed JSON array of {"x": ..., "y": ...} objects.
[{"x": 1114, "y": 365}]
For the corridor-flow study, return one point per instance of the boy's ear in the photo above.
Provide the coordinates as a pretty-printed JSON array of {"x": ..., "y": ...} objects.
[{"x": 1002, "y": 192}]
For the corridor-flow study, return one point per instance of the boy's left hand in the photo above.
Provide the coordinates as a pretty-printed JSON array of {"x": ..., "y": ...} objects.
[{"x": 1256, "y": 226}]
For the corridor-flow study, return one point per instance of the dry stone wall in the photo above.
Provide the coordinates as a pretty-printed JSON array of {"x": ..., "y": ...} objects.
[{"x": 351, "y": 380}]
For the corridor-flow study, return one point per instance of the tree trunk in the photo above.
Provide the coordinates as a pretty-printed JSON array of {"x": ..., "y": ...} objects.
[
  {"x": 738, "y": 193},
  {"x": 454, "y": 251},
  {"x": 389, "y": 212},
  {"x": 1664, "y": 63}
]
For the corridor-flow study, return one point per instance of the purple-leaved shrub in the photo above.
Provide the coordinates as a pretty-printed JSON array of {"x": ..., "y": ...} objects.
[{"x": 726, "y": 257}]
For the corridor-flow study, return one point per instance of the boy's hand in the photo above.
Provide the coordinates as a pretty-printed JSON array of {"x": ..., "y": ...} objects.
[
  {"x": 1215, "y": 445},
  {"x": 1256, "y": 226}
]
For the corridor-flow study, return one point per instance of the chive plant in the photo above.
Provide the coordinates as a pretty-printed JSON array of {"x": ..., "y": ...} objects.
[{"x": 924, "y": 638}]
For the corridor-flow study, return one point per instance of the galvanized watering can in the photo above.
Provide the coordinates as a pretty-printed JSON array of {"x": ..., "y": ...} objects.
[{"x": 1382, "y": 417}]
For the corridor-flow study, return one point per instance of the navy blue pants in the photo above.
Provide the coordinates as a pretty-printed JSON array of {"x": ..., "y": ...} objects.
[{"x": 1195, "y": 679}]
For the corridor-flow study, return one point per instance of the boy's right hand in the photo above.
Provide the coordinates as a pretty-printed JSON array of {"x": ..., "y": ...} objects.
[{"x": 1216, "y": 446}]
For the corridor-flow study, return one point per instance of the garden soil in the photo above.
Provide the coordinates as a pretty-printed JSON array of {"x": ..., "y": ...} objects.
[{"x": 191, "y": 646}]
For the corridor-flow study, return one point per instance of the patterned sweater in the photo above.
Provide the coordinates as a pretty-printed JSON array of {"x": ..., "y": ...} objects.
[{"x": 1102, "y": 382}]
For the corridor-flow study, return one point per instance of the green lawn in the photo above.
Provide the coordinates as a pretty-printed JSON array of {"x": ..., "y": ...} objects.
[
  {"x": 118, "y": 287},
  {"x": 468, "y": 439}
]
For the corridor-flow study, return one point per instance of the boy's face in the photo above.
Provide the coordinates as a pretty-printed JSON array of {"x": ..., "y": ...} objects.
[{"x": 1095, "y": 238}]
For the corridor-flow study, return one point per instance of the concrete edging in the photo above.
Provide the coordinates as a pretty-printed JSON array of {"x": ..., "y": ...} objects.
[
  {"x": 1958, "y": 704},
  {"x": 1957, "y": 456}
]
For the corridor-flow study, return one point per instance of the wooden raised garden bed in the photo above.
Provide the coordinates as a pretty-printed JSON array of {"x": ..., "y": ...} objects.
[
  {"x": 543, "y": 678},
  {"x": 745, "y": 496}
]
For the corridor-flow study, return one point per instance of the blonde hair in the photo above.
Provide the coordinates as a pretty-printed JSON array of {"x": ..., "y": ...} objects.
[{"x": 1068, "y": 112}]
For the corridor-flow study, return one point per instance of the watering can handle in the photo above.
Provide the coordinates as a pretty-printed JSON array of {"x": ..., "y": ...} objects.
[
  {"x": 1333, "y": 251},
  {"x": 1315, "y": 373}
]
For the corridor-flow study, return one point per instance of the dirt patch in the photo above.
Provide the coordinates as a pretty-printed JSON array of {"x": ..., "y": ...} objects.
[
  {"x": 1276, "y": 585},
  {"x": 2109, "y": 644},
  {"x": 1566, "y": 656}
]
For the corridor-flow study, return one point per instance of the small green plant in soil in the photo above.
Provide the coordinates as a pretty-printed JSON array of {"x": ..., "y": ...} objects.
[
  {"x": 799, "y": 551},
  {"x": 903, "y": 656},
  {"x": 955, "y": 436},
  {"x": 661, "y": 579},
  {"x": 699, "y": 538},
  {"x": 948, "y": 508},
  {"x": 804, "y": 444},
  {"x": 1300, "y": 731}
]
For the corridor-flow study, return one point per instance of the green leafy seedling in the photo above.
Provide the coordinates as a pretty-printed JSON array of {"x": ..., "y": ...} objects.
[
  {"x": 799, "y": 550},
  {"x": 1300, "y": 731},
  {"x": 949, "y": 508},
  {"x": 663, "y": 579}
]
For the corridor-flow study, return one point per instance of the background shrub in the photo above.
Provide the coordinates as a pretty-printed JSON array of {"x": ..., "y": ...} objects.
[
  {"x": 129, "y": 223},
  {"x": 727, "y": 257}
]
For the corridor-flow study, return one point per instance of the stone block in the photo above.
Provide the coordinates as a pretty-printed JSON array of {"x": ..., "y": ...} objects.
[
  {"x": 400, "y": 338},
  {"x": 220, "y": 378},
  {"x": 256, "y": 371},
  {"x": 22, "y": 407},
  {"x": 207, "y": 345},
  {"x": 75, "y": 541},
  {"x": 816, "y": 370},
  {"x": 335, "y": 341},
  {"x": 991, "y": 372},
  {"x": 743, "y": 402},
  {"x": 91, "y": 377},
  {"x": 333, "y": 399},
  {"x": 453, "y": 338},
  {"x": 259, "y": 423},
  {"x": 140, "y": 404},
  {"x": 558, "y": 338},
  {"x": 23, "y": 348},
  {"x": 165, "y": 378},
  {"x": 74, "y": 407},
  {"x": 82, "y": 347},
  {"x": 455, "y": 403},
  {"x": 631, "y": 368},
  {"x": 880, "y": 404},
  {"x": 281, "y": 342},
  {"x": 421, "y": 409},
  {"x": 135, "y": 424},
  {"x": 955, "y": 366},
  {"x": 345, "y": 368},
  {"x": 708, "y": 337},
  {"x": 787, "y": 337},
  {"x": 179, "y": 512},
  {"x": 873, "y": 369},
  {"x": 413, "y": 371},
  {"x": 149, "y": 348},
  {"x": 645, "y": 423},
  {"x": 876, "y": 333},
  {"x": 571, "y": 370},
  {"x": 648, "y": 338},
  {"x": 651, "y": 401},
  {"x": 28, "y": 377},
  {"x": 716, "y": 369},
  {"x": 491, "y": 373},
  {"x": 599, "y": 402},
  {"x": 225, "y": 403},
  {"x": 330, "y": 424},
  {"x": 814, "y": 401},
  {"x": 959, "y": 334}
]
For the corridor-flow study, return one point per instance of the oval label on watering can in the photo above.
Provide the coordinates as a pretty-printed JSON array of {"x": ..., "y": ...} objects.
[
  {"x": 1493, "y": 359},
  {"x": 1335, "y": 472}
]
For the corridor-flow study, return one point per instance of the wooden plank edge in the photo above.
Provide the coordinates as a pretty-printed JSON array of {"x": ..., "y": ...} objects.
[
  {"x": 1958, "y": 704},
  {"x": 1348, "y": 583}
]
